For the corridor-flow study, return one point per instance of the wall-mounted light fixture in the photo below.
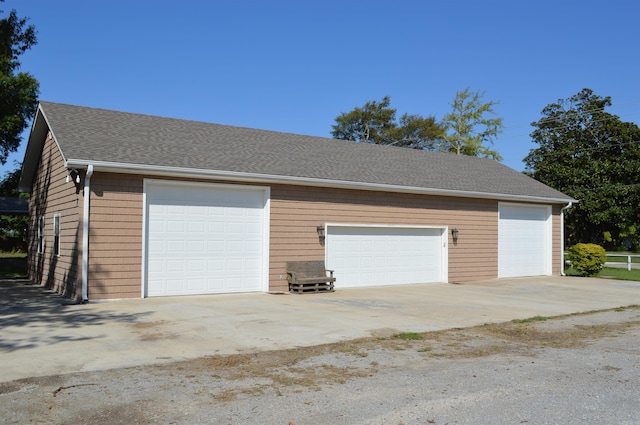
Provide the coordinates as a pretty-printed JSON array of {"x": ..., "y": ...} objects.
[
  {"x": 74, "y": 176},
  {"x": 320, "y": 230},
  {"x": 454, "y": 235}
]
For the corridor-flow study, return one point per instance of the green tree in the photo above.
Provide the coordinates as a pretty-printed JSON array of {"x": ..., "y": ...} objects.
[
  {"x": 594, "y": 157},
  {"x": 469, "y": 130},
  {"x": 417, "y": 132},
  {"x": 373, "y": 123},
  {"x": 18, "y": 90},
  {"x": 376, "y": 123}
]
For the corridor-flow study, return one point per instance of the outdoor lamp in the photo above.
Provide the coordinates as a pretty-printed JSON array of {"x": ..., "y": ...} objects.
[
  {"x": 454, "y": 234},
  {"x": 74, "y": 176},
  {"x": 320, "y": 230}
]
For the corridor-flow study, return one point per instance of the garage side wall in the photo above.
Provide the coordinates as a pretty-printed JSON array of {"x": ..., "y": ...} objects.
[
  {"x": 115, "y": 236},
  {"x": 52, "y": 195},
  {"x": 116, "y": 228},
  {"x": 297, "y": 211}
]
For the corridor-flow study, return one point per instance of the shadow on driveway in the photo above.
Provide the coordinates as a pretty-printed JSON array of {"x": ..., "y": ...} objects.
[{"x": 32, "y": 316}]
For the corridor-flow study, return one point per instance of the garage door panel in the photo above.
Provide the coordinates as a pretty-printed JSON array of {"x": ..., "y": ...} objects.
[
  {"x": 215, "y": 226},
  {"x": 196, "y": 265},
  {"x": 215, "y": 247},
  {"x": 174, "y": 209},
  {"x": 204, "y": 239},
  {"x": 171, "y": 266},
  {"x": 215, "y": 285},
  {"x": 216, "y": 264},
  {"x": 524, "y": 240},
  {"x": 195, "y": 247},
  {"x": 372, "y": 256},
  {"x": 194, "y": 226},
  {"x": 252, "y": 249},
  {"x": 175, "y": 247},
  {"x": 196, "y": 285},
  {"x": 174, "y": 285},
  {"x": 518, "y": 213},
  {"x": 155, "y": 226}
]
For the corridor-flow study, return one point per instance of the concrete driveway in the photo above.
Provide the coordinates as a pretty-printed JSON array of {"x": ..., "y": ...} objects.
[{"x": 40, "y": 334}]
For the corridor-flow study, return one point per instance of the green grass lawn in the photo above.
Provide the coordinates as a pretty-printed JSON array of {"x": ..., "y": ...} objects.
[
  {"x": 13, "y": 264},
  {"x": 612, "y": 273}
]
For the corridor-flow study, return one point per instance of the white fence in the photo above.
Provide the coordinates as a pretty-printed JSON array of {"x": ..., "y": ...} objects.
[
  {"x": 628, "y": 257},
  {"x": 630, "y": 263}
]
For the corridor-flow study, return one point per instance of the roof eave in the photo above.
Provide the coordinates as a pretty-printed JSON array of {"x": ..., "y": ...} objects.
[
  {"x": 37, "y": 137},
  {"x": 153, "y": 170}
]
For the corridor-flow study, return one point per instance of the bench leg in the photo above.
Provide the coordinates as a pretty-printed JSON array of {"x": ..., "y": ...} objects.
[{"x": 306, "y": 288}]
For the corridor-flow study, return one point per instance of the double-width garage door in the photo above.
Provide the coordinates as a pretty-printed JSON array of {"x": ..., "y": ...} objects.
[
  {"x": 524, "y": 240},
  {"x": 204, "y": 239},
  {"x": 375, "y": 256}
]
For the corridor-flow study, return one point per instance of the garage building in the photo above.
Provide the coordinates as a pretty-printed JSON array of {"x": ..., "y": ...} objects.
[{"x": 127, "y": 205}]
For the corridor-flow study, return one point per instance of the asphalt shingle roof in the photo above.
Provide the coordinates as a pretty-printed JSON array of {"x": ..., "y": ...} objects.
[{"x": 98, "y": 135}]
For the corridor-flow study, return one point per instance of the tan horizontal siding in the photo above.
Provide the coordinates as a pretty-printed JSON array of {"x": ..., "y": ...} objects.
[
  {"x": 117, "y": 228},
  {"x": 114, "y": 241},
  {"x": 51, "y": 194},
  {"x": 116, "y": 236},
  {"x": 296, "y": 211}
]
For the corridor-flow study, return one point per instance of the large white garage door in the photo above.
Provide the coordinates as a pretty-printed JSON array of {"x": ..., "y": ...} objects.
[
  {"x": 524, "y": 240},
  {"x": 204, "y": 239},
  {"x": 375, "y": 256}
]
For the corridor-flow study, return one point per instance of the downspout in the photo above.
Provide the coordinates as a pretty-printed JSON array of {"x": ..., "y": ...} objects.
[
  {"x": 569, "y": 205},
  {"x": 85, "y": 234}
]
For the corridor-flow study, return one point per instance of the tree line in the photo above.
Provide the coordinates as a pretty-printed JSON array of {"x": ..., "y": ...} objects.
[
  {"x": 594, "y": 157},
  {"x": 18, "y": 104},
  {"x": 469, "y": 129},
  {"x": 582, "y": 150}
]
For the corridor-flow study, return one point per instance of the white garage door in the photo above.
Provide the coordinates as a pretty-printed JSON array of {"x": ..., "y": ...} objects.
[
  {"x": 204, "y": 239},
  {"x": 375, "y": 256},
  {"x": 524, "y": 240}
]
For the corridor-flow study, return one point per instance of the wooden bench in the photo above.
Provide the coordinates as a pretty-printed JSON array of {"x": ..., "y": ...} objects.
[{"x": 309, "y": 277}]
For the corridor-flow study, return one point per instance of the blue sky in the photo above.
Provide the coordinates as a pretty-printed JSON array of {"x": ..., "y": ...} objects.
[{"x": 293, "y": 66}]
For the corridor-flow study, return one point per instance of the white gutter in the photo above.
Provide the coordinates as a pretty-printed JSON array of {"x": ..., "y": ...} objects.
[
  {"x": 569, "y": 205},
  {"x": 153, "y": 170},
  {"x": 85, "y": 234}
]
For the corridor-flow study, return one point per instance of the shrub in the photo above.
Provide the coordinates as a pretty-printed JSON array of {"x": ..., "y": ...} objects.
[{"x": 587, "y": 258}]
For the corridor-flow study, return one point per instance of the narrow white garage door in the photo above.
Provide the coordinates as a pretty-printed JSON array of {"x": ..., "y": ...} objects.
[
  {"x": 204, "y": 239},
  {"x": 375, "y": 256},
  {"x": 524, "y": 240}
]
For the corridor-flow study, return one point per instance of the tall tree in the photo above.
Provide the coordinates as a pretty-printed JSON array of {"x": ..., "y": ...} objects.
[
  {"x": 18, "y": 90},
  {"x": 376, "y": 123},
  {"x": 469, "y": 129},
  {"x": 594, "y": 157},
  {"x": 373, "y": 123},
  {"x": 417, "y": 132}
]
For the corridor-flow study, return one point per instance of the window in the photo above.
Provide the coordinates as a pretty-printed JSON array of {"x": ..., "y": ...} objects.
[
  {"x": 56, "y": 235},
  {"x": 40, "y": 235}
]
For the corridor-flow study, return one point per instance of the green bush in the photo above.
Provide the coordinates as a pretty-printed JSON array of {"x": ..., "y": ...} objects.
[{"x": 587, "y": 258}]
